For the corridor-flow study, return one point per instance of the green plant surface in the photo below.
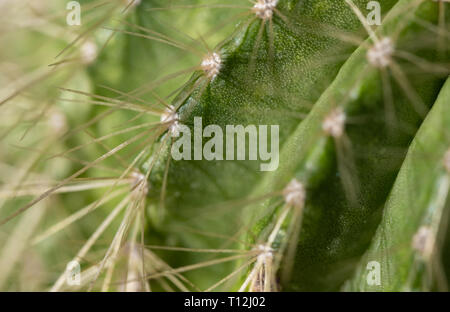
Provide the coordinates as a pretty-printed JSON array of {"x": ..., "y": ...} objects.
[
  {"x": 328, "y": 249},
  {"x": 337, "y": 228},
  {"x": 89, "y": 116},
  {"x": 411, "y": 236},
  {"x": 260, "y": 95}
]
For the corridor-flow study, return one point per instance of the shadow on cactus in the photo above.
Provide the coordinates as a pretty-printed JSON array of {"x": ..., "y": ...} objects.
[{"x": 270, "y": 145}]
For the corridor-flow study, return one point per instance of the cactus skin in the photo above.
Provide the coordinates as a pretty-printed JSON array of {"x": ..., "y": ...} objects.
[
  {"x": 353, "y": 187},
  {"x": 419, "y": 199},
  {"x": 240, "y": 96},
  {"x": 224, "y": 102},
  {"x": 335, "y": 230}
]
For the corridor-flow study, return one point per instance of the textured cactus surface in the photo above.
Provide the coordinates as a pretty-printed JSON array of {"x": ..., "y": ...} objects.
[{"x": 356, "y": 100}]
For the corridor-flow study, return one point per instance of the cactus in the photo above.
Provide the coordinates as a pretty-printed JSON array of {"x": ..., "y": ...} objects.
[
  {"x": 355, "y": 200},
  {"x": 413, "y": 258}
]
